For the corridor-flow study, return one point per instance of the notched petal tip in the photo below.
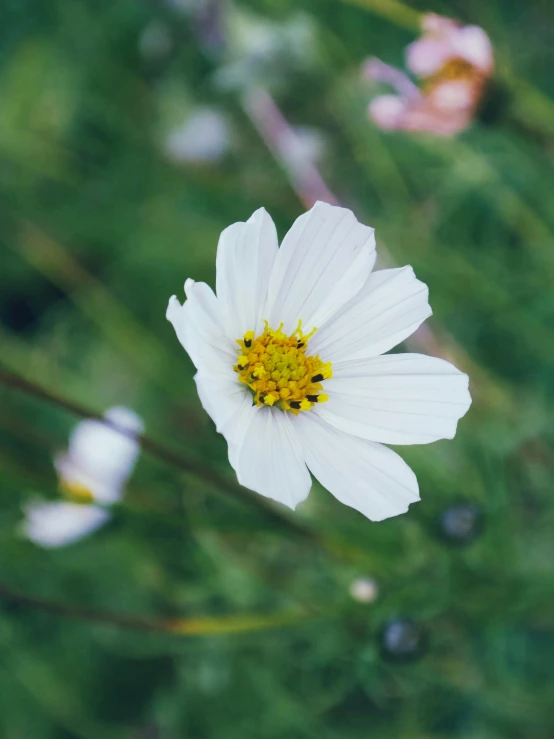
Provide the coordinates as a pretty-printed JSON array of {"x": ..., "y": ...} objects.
[
  {"x": 399, "y": 512},
  {"x": 322, "y": 205},
  {"x": 259, "y": 213},
  {"x": 172, "y": 308},
  {"x": 189, "y": 284}
]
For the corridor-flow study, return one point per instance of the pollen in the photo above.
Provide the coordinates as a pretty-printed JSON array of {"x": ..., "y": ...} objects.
[
  {"x": 278, "y": 370},
  {"x": 75, "y": 492}
]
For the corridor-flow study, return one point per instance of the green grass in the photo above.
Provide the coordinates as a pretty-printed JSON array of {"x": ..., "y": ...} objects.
[{"x": 98, "y": 229}]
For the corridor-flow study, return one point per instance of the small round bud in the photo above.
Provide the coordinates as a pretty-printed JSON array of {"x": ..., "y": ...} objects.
[
  {"x": 402, "y": 640},
  {"x": 364, "y": 590},
  {"x": 461, "y": 524}
]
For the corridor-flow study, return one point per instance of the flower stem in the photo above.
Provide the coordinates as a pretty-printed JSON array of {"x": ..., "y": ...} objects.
[
  {"x": 307, "y": 181},
  {"x": 282, "y": 140},
  {"x": 162, "y": 453},
  {"x": 180, "y": 626}
]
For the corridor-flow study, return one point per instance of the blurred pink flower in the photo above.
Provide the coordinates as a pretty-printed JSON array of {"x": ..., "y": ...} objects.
[{"x": 453, "y": 62}]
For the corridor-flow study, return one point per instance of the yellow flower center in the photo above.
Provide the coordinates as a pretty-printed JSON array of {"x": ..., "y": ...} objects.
[
  {"x": 278, "y": 372},
  {"x": 454, "y": 70},
  {"x": 75, "y": 492}
]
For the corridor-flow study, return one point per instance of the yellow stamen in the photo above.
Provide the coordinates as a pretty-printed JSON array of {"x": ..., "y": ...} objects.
[
  {"x": 455, "y": 70},
  {"x": 75, "y": 492},
  {"x": 277, "y": 370}
]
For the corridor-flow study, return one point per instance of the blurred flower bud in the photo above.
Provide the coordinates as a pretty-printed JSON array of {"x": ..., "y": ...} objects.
[
  {"x": 461, "y": 524},
  {"x": 402, "y": 640},
  {"x": 364, "y": 590}
]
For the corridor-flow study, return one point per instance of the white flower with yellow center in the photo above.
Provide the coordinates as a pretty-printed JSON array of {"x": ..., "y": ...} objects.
[
  {"x": 91, "y": 477},
  {"x": 291, "y": 367}
]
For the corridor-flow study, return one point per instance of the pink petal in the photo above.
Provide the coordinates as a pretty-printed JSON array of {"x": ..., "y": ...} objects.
[
  {"x": 457, "y": 95},
  {"x": 427, "y": 119},
  {"x": 438, "y": 24},
  {"x": 377, "y": 70},
  {"x": 388, "y": 111},
  {"x": 427, "y": 55},
  {"x": 473, "y": 45},
  {"x": 391, "y": 113}
]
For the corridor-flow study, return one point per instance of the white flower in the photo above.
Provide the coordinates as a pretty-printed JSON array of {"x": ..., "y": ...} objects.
[
  {"x": 203, "y": 137},
  {"x": 94, "y": 470},
  {"x": 289, "y": 365}
]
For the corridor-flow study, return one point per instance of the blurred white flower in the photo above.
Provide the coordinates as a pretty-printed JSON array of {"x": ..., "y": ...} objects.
[
  {"x": 364, "y": 590},
  {"x": 454, "y": 63},
  {"x": 263, "y": 52},
  {"x": 93, "y": 470},
  {"x": 290, "y": 397},
  {"x": 204, "y": 137}
]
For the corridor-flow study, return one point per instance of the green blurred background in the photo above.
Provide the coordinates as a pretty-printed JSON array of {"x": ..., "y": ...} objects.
[{"x": 104, "y": 211}]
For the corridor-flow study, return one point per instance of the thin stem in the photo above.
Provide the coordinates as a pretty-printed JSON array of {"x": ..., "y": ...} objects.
[
  {"x": 285, "y": 145},
  {"x": 162, "y": 453},
  {"x": 329, "y": 543},
  {"x": 178, "y": 626},
  {"x": 309, "y": 184},
  {"x": 117, "y": 323}
]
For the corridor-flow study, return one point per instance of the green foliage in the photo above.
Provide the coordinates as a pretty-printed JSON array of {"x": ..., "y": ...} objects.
[{"x": 98, "y": 228}]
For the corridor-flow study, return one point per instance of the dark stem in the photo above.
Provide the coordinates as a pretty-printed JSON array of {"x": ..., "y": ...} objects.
[
  {"x": 162, "y": 453},
  {"x": 82, "y": 614},
  {"x": 176, "y": 626}
]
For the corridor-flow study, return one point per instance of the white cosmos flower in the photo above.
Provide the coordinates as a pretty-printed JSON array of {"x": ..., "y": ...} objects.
[
  {"x": 291, "y": 364},
  {"x": 93, "y": 470}
]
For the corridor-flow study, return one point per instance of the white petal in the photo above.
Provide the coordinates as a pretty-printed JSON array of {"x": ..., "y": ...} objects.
[
  {"x": 396, "y": 398},
  {"x": 104, "y": 484},
  {"x": 361, "y": 474},
  {"x": 125, "y": 418},
  {"x": 57, "y": 524},
  {"x": 233, "y": 452},
  {"x": 390, "y": 307},
  {"x": 269, "y": 460},
  {"x": 235, "y": 428},
  {"x": 245, "y": 256},
  {"x": 323, "y": 261},
  {"x": 100, "y": 458},
  {"x": 231, "y": 415},
  {"x": 178, "y": 316},
  {"x": 222, "y": 400},
  {"x": 199, "y": 327}
]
